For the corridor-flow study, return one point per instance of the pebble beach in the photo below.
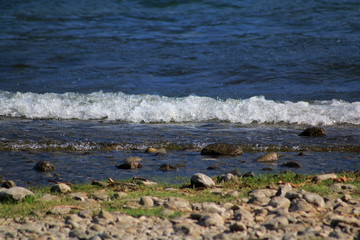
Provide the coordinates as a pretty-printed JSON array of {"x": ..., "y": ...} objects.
[{"x": 283, "y": 212}]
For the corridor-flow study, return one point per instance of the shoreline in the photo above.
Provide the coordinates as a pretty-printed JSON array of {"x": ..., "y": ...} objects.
[{"x": 271, "y": 206}]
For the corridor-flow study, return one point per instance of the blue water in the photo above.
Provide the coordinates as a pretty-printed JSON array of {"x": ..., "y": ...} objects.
[{"x": 189, "y": 73}]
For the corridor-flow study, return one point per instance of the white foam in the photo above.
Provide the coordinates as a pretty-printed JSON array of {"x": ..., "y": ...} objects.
[{"x": 154, "y": 108}]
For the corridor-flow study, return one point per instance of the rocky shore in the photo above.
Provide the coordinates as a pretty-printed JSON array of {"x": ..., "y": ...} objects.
[{"x": 283, "y": 212}]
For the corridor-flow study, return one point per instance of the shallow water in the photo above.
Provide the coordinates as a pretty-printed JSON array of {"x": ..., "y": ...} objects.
[{"x": 86, "y": 84}]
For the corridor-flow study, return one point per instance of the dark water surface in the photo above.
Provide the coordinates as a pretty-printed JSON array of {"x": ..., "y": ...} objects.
[{"x": 83, "y": 84}]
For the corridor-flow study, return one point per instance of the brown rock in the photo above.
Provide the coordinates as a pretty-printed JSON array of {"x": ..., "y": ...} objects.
[
  {"x": 131, "y": 165},
  {"x": 44, "y": 166},
  {"x": 291, "y": 164},
  {"x": 268, "y": 157},
  {"x": 218, "y": 149}
]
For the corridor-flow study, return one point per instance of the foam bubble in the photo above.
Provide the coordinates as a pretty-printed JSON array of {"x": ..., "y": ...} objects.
[{"x": 154, "y": 108}]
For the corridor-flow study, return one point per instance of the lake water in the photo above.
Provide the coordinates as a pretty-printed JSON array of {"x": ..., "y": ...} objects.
[{"x": 85, "y": 84}]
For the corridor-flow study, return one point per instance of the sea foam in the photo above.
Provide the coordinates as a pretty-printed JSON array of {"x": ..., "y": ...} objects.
[{"x": 154, "y": 109}]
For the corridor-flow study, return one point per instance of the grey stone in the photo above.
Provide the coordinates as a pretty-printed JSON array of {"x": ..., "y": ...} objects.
[
  {"x": 211, "y": 219},
  {"x": 277, "y": 223},
  {"x": 60, "y": 188},
  {"x": 147, "y": 201},
  {"x": 314, "y": 199},
  {"x": 300, "y": 205},
  {"x": 14, "y": 193},
  {"x": 280, "y": 202},
  {"x": 268, "y": 157},
  {"x": 323, "y": 177},
  {"x": 283, "y": 189},
  {"x": 201, "y": 180},
  {"x": 229, "y": 177},
  {"x": 106, "y": 215},
  {"x": 339, "y": 187},
  {"x": 177, "y": 204}
]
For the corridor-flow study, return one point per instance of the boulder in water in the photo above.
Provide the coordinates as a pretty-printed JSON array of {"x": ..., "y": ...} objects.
[
  {"x": 218, "y": 149},
  {"x": 44, "y": 166},
  {"x": 313, "y": 132}
]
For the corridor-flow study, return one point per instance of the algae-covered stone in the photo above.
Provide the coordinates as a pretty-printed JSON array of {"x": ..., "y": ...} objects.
[
  {"x": 268, "y": 157},
  {"x": 313, "y": 132},
  {"x": 217, "y": 149},
  {"x": 44, "y": 166}
]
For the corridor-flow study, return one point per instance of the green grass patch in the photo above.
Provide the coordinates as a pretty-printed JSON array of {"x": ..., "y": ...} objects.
[{"x": 135, "y": 191}]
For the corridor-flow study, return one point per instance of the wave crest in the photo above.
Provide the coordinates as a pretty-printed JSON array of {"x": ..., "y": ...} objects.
[{"x": 153, "y": 108}]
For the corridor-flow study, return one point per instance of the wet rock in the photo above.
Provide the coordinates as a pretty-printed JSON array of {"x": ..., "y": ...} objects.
[
  {"x": 213, "y": 168},
  {"x": 302, "y": 154},
  {"x": 8, "y": 184},
  {"x": 14, "y": 194},
  {"x": 323, "y": 177},
  {"x": 44, "y": 166},
  {"x": 313, "y": 132},
  {"x": 155, "y": 150},
  {"x": 201, "y": 180},
  {"x": 218, "y": 149},
  {"x": 60, "y": 188},
  {"x": 168, "y": 167},
  {"x": 133, "y": 159},
  {"x": 291, "y": 164},
  {"x": 131, "y": 165},
  {"x": 268, "y": 157}
]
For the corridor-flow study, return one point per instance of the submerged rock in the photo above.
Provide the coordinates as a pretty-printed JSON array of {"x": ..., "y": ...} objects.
[
  {"x": 44, "y": 166},
  {"x": 313, "y": 132},
  {"x": 268, "y": 157},
  {"x": 201, "y": 180},
  {"x": 291, "y": 164},
  {"x": 168, "y": 167},
  {"x": 218, "y": 149},
  {"x": 133, "y": 159},
  {"x": 155, "y": 150}
]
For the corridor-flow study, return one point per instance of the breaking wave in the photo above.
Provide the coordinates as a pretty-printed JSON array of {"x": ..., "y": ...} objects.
[{"x": 154, "y": 109}]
